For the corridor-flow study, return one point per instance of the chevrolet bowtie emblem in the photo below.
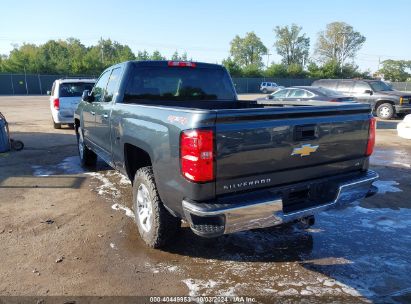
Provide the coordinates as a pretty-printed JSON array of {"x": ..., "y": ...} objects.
[{"x": 305, "y": 150}]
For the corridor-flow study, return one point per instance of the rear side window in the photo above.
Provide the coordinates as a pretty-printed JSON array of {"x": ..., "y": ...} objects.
[
  {"x": 345, "y": 86},
  {"x": 360, "y": 87},
  {"x": 73, "y": 89},
  {"x": 281, "y": 93},
  {"x": 328, "y": 84},
  {"x": 297, "y": 93},
  {"x": 178, "y": 84}
]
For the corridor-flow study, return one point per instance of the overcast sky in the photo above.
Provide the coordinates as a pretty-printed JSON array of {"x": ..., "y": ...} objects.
[{"x": 205, "y": 28}]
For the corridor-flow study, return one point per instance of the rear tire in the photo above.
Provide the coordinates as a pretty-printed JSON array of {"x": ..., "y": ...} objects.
[
  {"x": 87, "y": 157},
  {"x": 265, "y": 91},
  {"x": 385, "y": 111},
  {"x": 71, "y": 126},
  {"x": 16, "y": 145},
  {"x": 155, "y": 224}
]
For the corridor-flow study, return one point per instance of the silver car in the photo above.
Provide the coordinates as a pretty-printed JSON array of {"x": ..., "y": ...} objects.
[
  {"x": 266, "y": 87},
  {"x": 65, "y": 95}
]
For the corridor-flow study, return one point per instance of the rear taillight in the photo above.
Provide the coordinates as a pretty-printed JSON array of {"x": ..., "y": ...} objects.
[
  {"x": 371, "y": 137},
  {"x": 181, "y": 64},
  {"x": 56, "y": 103},
  {"x": 197, "y": 155}
]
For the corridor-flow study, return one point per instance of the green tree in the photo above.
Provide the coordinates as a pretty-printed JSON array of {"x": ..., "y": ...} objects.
[
  {"x": 295, "y": 70},
  {"x": 76, "y": 52},
  {"x": 143, "y": 55},
  {"x": 233, "y": 68},
  {"x": 252, "y": 71},
  {"x": 276, "y": 71},
  {"x": 23, "y": 59},
  {"x": 395, "y": 70},
  {"x": 157, "y": 56},
  {"x": 293, "y": 46},
  {"x": 338, "y": 43},
  {"x": 247, "y": 52},
  {"x": 177, "y": 57},
  {"x": 331, "y": 69}
]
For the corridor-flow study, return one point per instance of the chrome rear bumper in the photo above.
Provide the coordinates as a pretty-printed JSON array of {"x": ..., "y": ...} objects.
[{"x": 264, "y": 212}]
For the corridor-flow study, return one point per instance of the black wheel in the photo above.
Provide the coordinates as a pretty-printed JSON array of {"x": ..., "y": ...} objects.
[
  {"x": 385, "y": 111},
  {"x": 56, "y": 125},
  {"x": 155, "y": 224},
  {"x": 265, "y": 91},
  {"x": 71, "y": 126},
  {"x": 16, "y": 145},
  {"x": 87, "y": 157}
]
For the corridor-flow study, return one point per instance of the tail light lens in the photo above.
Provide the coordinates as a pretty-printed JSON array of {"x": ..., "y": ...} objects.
[
  {"x": 197, "y": 155},
  {"x": 56, "y": 103},
  {"x": 371, "y": 137}
]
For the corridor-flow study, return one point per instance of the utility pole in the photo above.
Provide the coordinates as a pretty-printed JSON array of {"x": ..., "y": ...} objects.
[
  {"x": 342, "y": 53},
  {"x": 102, "y": 55},
  {"x": 268, "y": 57}
]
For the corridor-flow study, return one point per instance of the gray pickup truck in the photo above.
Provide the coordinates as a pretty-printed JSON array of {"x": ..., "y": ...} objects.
[{"x": 193, "y": 151}]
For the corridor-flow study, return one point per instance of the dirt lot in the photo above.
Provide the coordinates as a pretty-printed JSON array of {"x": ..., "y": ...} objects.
[{"x": 67, "y": 232}]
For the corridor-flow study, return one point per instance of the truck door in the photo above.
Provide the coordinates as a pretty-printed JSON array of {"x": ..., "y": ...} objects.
[
  {"x": 103, "y": 113},
  {"x": 89, "y": 110},
  {"x": 361, "y": 92}
]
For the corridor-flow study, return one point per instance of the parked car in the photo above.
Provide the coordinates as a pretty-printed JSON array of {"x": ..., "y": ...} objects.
[
  {"x": 65, "y": 95},
  {"x": 193, "y": 151},
  {"x": 266, "y": 87},
  {"x": 385, "y": 102},
  {"x": 303, "y": 93}
]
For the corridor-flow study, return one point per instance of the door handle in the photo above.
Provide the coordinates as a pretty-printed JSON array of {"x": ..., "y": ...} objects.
[
  {"x": 105, "y": 115},
  {"x": 93, "y": 113}
]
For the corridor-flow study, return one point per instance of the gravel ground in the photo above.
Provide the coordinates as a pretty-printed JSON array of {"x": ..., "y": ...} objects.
[{"x": 67, "y": 232}]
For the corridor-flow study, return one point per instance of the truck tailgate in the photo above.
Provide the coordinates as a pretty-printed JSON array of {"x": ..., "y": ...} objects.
[{"x": 258, "y": 148}]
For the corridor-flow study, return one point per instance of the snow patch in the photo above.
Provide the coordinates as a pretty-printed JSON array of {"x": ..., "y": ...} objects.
[
  {"x": 113, "y": 246},
  {"x": 107, "y": 186},
  {"x": 128, "y": 211},
  {"x": 196, "y": 286}
]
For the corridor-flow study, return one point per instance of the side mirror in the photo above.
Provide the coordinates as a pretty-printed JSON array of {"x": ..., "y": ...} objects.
[
  {"x": 48, "y": 93},
  {"x": 368, "y": 92},
  {"x": 87, "y": 96}
]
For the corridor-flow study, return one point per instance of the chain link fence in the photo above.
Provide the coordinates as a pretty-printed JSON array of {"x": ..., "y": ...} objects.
[
  {"x": 36, "y": 84},
  {"x": 401, "y": 86},
  {"x": 29, "y": 84}
]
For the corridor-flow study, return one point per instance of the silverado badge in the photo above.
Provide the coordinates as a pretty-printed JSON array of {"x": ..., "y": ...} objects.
[{"x": 305, "y": 150}]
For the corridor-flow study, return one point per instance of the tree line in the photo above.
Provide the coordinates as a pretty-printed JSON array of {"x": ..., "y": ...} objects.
[
  {"x": 333, "y": 56},
  {"x": 71, "y": 57}
]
